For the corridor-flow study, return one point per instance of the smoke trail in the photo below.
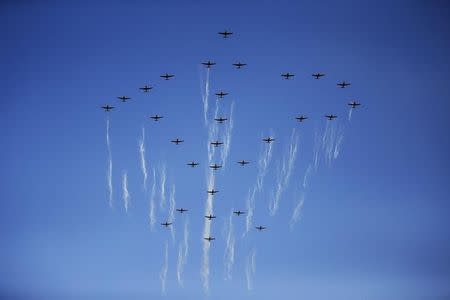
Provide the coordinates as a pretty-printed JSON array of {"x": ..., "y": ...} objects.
[
  {"x": 284, "y": 174},
  {"x": 207, "y": 232},
  {"x": 163, "y": 274},
  {"x": 152, "y": 216},
  {"x": 109, "y": 171},
  {"x": 337, "y": 145},
  {"x": 205, "y": 96},
  {"x": 142, "y": 154},
  {"x": 162, "y": 176},
  {"x": 172, "y": 210},
  {"x": 297, "y": 210},
  {"x": 125, "y": 193},
  {"x": 331, "y": 141},
  {"x": 250, "y": 269},
  {"x": 316, "y": 150},
  {"x": 350, "y": 114},
  {"x": 229, "y": 249},
  {"x": 306, "y": 177},
  {"x": 227, "y": 137},
  {"x": 183, "y": 253}
]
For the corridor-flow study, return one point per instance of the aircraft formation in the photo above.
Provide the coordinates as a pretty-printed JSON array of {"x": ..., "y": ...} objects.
[{"x": 220, "y": 95}]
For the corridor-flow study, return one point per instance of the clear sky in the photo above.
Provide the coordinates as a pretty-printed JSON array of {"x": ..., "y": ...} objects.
[{"x": 374, "y": 222}]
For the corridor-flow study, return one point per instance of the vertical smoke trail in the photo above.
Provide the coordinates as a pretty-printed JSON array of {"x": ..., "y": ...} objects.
[
  {"x": 284, "y": 174},
  {"x": 163, "y": 274},
  {"x": 337, "y": 145},
  {"x": 250, "y": 269},
  {"x": 229, "y": 249},
  {"x": 172, "y": 210},
  {"x": 109, "y": 172},
  {"x": 162, "y": 176},
  {"x": 125, "y": 193},
  {"x": 350, "y": 114},
  {"x": 152, "y": 217},
  {"x": 207, "y": 232},
  {"x": 183, "y": 253},
  {"x": 205, "y": 96},
  {"x": 316, "y": 150},
  {"x": 142, "y": 155},
  {"x": 297, "y": 210},
  {"x": 306, "y": 177},
  {"x": 227, "y": 137}
]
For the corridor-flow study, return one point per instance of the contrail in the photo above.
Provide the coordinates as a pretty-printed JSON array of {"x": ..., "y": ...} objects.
[
  {"x": 297, "y": 210},
  {"x": 162, "y": 178},
  {"x": 125, "y": 193},
  {"x": 109, "y": 172},
  {"x": 250, "y": 269},
  {"x": 172, "y": 205},
  {"x": 284, "y": 174},
  {"x": 205, "y": 96},
  {"x": 163, "y": 274},
  {"x": 350, "y": 114},
  {"x": 229, "y": 249},
  {"x": 151, "y": 215},
  {"x": 142, "y": 154},
  {"x": 227, "y": 137},
  {"x": 183, "y": 253}
]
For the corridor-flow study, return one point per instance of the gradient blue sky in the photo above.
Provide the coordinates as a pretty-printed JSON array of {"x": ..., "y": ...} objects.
[{"x": 375, "y": 223}]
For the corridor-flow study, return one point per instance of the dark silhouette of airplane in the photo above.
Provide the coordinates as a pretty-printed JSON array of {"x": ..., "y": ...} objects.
[
  {"x": 177, "y": 141},
  {"x": 107, "y": 108},
  {"x": 166, "y": 76},
  {"x": 212, "y": 192},
  {"x": 124, "y": 98},
  {"x": 331, "y": 117},
  {"x": 210, "y": 217},
  {"x": 220, "y": 120},
  {"x": 216, "y": 143},
  {"x": 146, "y": 88},
  {"x": 301, "y": 118},
  {"x": 156, "y": 117},
  {"x": 166, "y": 224},
  {"x": 225, "y": 33},
  {"x": 318, "y": 75},
  {"x": 181, "y": 210},
  {"x": 287, "y": 75},
  {"x": 238, "y": 212},
  {"x": 215, "y": 166},
  {"x": 221, "y": 94},
  {"x": 354, "y": 104},
  {"x": 343, "y": 84},
  {"x": 210, "y": 238},
  {"x": 243, "y": 162},
  {"x": 260, "y": 228},
  {"x": 193, "y": 164},
  {"x": 239, "y": 65},
  {"x": 208, "y": 64},
  {"x": 268, "y": 140}
]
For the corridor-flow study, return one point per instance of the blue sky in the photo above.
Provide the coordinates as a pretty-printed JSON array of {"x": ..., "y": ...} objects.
[{"x": 374, "y": 224}]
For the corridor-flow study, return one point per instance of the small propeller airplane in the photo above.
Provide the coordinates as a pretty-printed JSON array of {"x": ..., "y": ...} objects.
[
  {"x": 220, "y": 120},
  {"x": 243, "y": 162},
  {"x": 260, "y": 228},
  {"x": 287, "y": 75},
  {"x": 225, "y": 33},
  {"x": 212, "y": 192},
  {"x": 156, "y": 117},
  {"x": 268, "y": 140},
  {"x": 167, "y": 76},
  {"x": 239, "y": 65},
  {"x": 343, "y": 84},
  {"x": 317, "y": 75},
  {"x": 181, "y": 210},
  {"x": 301, "y": 118},
  {"x": 238, "y": 212},
  {"x": 210, "y": 217},
  {"x": 331, "y": 117},
  {"x": 124, "y": 98},
  {"x": 354, "y": 104},
  {"x": 208, "y": 64},
  {"x": 210, "y": 238},
  {"x": 146, "y": 88},
  {"x": 193, "y": 164},
  {"x": 177, "y": 141},
  {"x": 221, "y": 94},
  {"x": 107, "y": 108},
  {"x": 167, "y": 224},
  {"x": 215, "y": 166},
  {"x": 216, "y": 143}
]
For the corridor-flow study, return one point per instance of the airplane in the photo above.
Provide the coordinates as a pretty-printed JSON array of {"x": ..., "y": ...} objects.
[
  {"x": 268, "y": 140},
  {"x": 287, "y": 75},
  {"x": 145, "y": 88},
  {"x": 210, "y": 217},
  {"x": 243, "y": 162},
  {"x": 156, "y": 117},
  {"x": 260, "y": 228},
  {"x": 124, "y": 98},
  {"x": 343, "y": 84},
  {"x": 225, "y": 33},
  {"x": 301, "y": 118},
  {"x": 239, "y": 65},
  {"x": 166, "y": 76},
  {"x": 331, "y": 117},
  {"x": 220, "y": 120},
  {"x": 212, "y": 192},
  {"x": 221, "y": 94},
  {"x": 354, "y": 104},
  {"x": 181, "y": 210},
  {"x": 318, "y": 75},
  {"x": 107, "y": 107},
  {"x": 216, "y": 143},
  {"x": 209, "y": 238},
  {"x": 166, "y": 224},
  {"x": 215, "y": 166},
  {"x": 193, "y": 164},
  {"x": 208, "y": 64},
  {"x": 238, "y": 212},
  {"x": 177, "y": 141}
]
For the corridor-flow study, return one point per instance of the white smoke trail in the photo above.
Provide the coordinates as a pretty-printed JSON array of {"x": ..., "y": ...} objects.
[
  {"x": 162, "y": 178},
  {"x": 152, "y": 216},
  {"x": 205, "y": 96},
  {"x": 250, "y": 269},
  {"x": 172, "y": 205},
  {"x": 207, "y": 232},
  {"x": 337, "y": 145},
  {"x": 165, "y": 267},
  {"x": 316, "y": 150},
  {"x": 350, "y": 114},
  {"x": 297, "y": 210},
  {"x": 227, "y": 137},
  {"x": 183, "y": 253},
  {"x": 109, "y": 172},
  {"x": 284, "y": 174},
  {"x": 125, "y": 193},
  {"x": 142, "y": 155},
  {"x": 331, "y": 141},
  {"x": 306, "y": 177},
  {"x": 229, "y": 249}
]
